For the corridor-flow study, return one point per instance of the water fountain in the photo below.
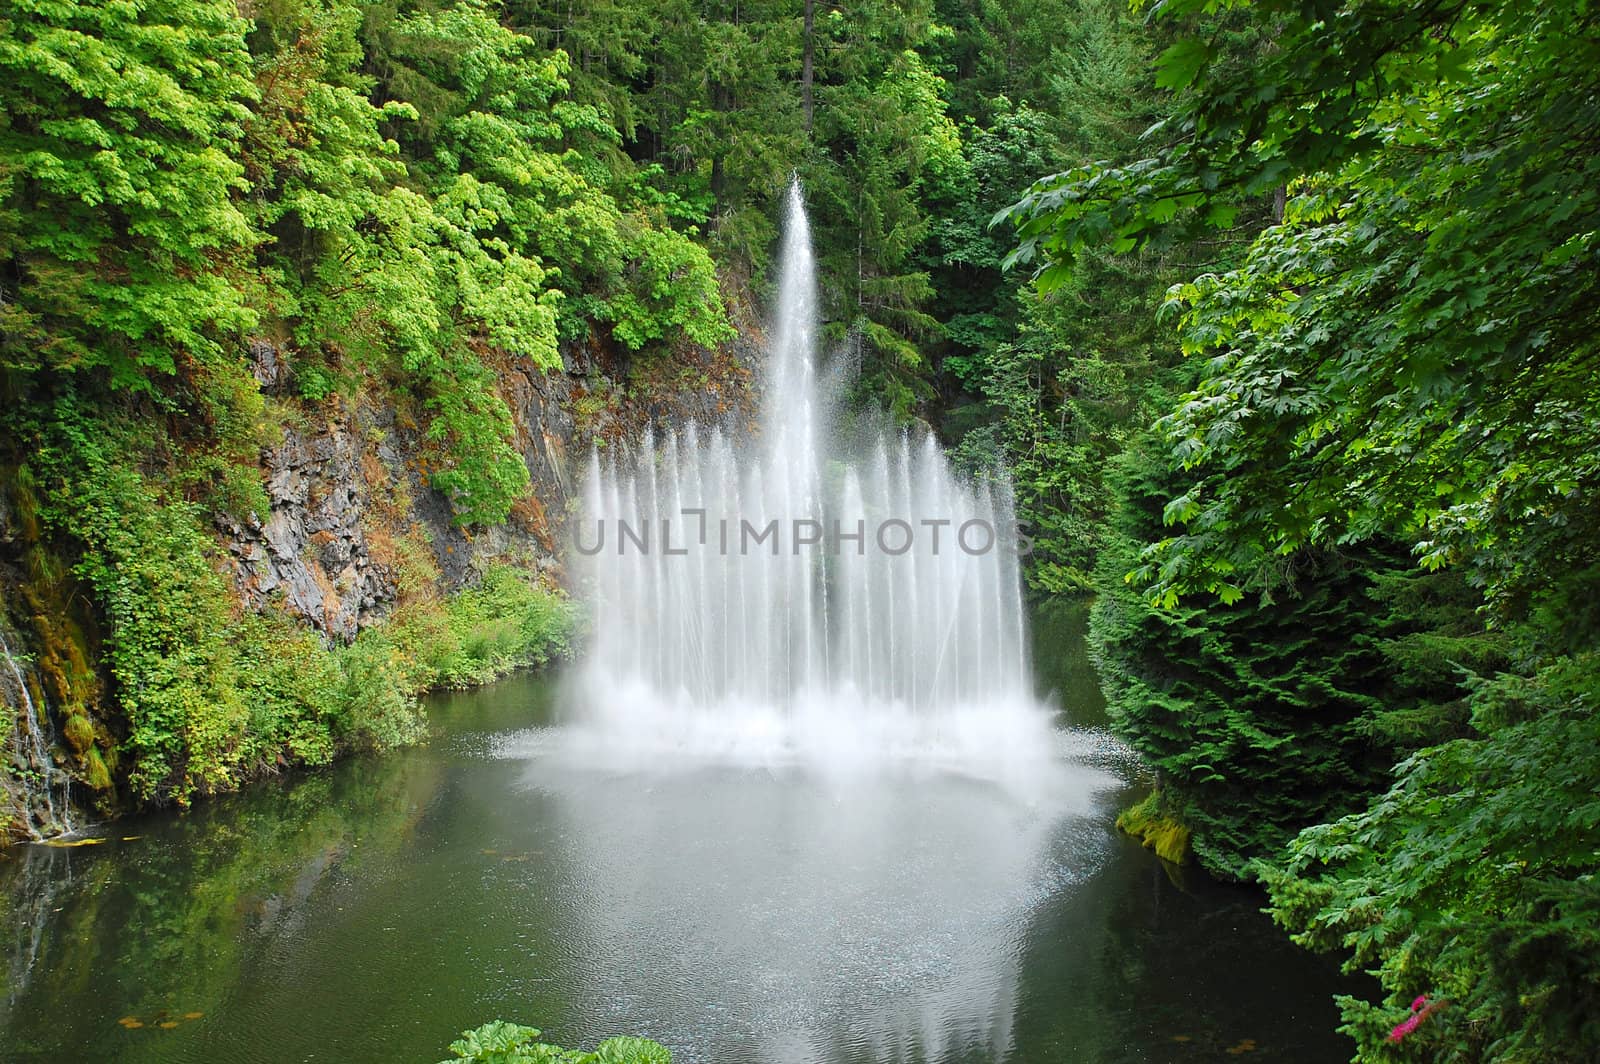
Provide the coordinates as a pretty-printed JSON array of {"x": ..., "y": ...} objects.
[{"x": 791, "y": 592}]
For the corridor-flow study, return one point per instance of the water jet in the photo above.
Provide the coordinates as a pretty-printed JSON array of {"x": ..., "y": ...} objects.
[{"x": 794, "y": 592}]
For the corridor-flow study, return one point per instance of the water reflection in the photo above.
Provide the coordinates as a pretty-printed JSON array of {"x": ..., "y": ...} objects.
[
  {"x": 166, "y": 915},
  {"x": 781, "y": 915},
  {"x": 370, "y": 913}
]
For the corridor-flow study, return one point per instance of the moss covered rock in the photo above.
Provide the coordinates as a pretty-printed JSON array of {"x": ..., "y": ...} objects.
[{"x": 1157, "y": 828}]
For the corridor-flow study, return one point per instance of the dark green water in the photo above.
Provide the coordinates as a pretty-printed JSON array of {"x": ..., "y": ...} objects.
[{"x": 371, "y": 912}]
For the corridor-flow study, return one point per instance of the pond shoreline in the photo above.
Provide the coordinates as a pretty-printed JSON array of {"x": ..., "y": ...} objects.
[{"x": 486, "y": 880}]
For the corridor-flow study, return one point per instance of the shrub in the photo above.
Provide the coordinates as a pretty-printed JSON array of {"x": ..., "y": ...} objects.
[{"x": 509, "y": 1043}]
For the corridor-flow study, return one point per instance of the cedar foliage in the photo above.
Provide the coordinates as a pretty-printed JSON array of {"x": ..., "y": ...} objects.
[
  {"x": 1279, "y": 710},
  {"x": 1405, "y": 356}
]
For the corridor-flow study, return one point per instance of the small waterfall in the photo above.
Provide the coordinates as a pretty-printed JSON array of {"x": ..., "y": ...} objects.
[
  {"x": 793, "y": 589},
  {"x": 45, "y": 786}
]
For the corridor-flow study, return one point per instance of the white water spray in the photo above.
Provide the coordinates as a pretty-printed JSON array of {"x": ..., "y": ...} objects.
[
  {"x": 46, "y": 785},
  {"x": 790, "y": 594}
]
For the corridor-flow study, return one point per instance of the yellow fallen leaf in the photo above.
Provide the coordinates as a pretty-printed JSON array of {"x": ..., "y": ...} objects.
[
  {"x": 169, "y": 1025},
  {"x": 193, "y": 1015}
]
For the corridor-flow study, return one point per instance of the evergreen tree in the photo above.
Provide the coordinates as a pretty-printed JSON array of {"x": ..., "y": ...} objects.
[
  {"x": 1282, "y": 709},
  {"x": 1408, "y": 355}
]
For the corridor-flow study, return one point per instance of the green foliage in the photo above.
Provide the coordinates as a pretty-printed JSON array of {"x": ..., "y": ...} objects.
[
  {"x": 171, "y": 183},
  {"x": 666, "y": 293},
  {"x": 1260, "y": 717},
  {"x": 499, "y": 150},
  {"x": 1059, "y": 383},
  {"x": 889, "y": 141},
  {"x": 213, "y": 696},
  {"x": 408, "y": 204},
  {"x": 1473, "y": 880},
  {"x": 1406, "y": 355},
  {"x": 1061, "y": 398},
  {"x": 1414, "y": 339},
  {"x": 506, "y": 622},
  {"x": 119, "y": 174},
  {"x": 500, "y": 1042},
  {"x": 715, "y": 93},
  {"x": 210, "y": 697},
  {"x": 168, "y": 614},
  {"x": 725, "y": 117}
]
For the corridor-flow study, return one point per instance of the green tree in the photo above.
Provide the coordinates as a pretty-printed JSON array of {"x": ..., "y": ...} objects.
[
  {"x": 883, "y": 139},
  {"x": 1409, "y": 354},
  {"x": 119, "y": 173},
  {"x": 1056, "y": 384},
  {"x": 1282, "y": 710},
  {"x": 1433, "y": 371},
  {"x": 1471, "y": 880}
]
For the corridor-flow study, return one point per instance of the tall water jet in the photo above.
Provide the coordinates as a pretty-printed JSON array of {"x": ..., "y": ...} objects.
[{"x": 791, "y": 590}]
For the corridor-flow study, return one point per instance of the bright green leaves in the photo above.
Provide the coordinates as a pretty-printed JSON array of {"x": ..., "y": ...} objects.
[
  {"x": 509, "y": 1043},
  {"x": 1483, "y": 852},
  {"x": 1385, "y": 339},
  {"x": 211, "y": 696},
  {"x": 1181, "y": 64},
  {"x": 1409, "y": 354},
  {"x": 499, "y": 142},
  {"x": 1245, "y": 124},
  {"x": 498, "y": 1042},
  {"x": 120, "y": 146},
  {"x": 170, "y": 627},
  {"x": 167, "y": 188},
  {"x": 665, "y": 294},
  {"x": 511, "y": 237}
]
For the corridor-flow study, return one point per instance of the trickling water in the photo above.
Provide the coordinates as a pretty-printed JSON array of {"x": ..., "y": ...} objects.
[
  {"x": 792, "y": 587},
  {"x": 45, "y": 785}
]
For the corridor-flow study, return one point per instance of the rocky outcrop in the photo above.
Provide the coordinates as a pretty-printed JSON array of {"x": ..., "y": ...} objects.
[
  {"x": 311, "y": 553},
  {"x": 343, "y": 492},
  {"x": 352, "y": 528}
]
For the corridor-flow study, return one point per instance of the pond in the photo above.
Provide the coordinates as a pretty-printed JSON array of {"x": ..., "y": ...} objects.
[{"x": 739, "y": 914}]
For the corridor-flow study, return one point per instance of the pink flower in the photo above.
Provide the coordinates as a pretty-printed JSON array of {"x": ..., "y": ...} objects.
[
  {"x": 1405, "y": 1028},
  {"x": 1419, "y": 1012}
]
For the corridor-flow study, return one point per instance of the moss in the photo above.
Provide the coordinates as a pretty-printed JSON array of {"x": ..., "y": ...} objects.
[
  {"x": 79, "y": 733},
  {"x": 25, "y": 501},
  {"x": 96, "y": 772},
  {"x": 61, "y": 631},
  {"x": 1157, "y": 828}
]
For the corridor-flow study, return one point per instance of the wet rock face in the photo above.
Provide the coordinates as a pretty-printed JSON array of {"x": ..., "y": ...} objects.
[
  {"x": 312, "y": 548},
  {"x": 336, "y": 486},
  {"x": 350, "y": 512},
  {"x": 266, "y": 365}
]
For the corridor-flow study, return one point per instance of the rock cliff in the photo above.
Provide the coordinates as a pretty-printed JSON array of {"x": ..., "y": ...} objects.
[{"x": 351, "y": 510}]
